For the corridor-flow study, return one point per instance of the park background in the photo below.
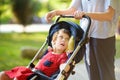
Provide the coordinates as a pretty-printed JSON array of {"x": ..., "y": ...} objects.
[{"x": 23, "y": 26}]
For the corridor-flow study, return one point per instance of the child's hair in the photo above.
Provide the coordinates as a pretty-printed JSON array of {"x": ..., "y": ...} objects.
[{"x": 57, "y": 32}]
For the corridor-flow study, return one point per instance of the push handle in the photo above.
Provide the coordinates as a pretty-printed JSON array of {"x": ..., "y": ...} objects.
[
  {"x": 88, "y": 27},
  {"x": 64, "y": 16}
]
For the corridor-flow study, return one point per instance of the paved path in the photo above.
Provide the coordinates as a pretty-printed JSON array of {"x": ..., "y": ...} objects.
[
  {"x": 81, "y": 73},
  {"x": 29, "y": 28}
]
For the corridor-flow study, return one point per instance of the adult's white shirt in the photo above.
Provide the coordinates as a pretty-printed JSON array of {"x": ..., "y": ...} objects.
[{"x": 98, "y": 29}]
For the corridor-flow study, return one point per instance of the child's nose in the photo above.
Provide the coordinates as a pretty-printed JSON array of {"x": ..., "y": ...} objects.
[{"x": 63, "y": 39}]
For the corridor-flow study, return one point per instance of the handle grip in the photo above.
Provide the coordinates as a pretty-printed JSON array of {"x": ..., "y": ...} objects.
[{"x": 64, "y": 16}]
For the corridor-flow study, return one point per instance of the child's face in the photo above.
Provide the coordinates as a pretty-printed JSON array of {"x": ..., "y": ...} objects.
[{"x": 61, "y": 42}]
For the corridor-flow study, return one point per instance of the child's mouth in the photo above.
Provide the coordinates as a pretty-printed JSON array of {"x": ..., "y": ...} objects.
[{"x": 62, "y": 44}]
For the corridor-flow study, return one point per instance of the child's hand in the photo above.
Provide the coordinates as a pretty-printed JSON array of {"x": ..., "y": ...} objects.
[
  {"x": 78, "y": 14},
  {"x": 15, "y": 78},
  {"x": 50, "y": 48},
  {"x": 50, "y": 15},
  {"x": 69, "y": 51}
]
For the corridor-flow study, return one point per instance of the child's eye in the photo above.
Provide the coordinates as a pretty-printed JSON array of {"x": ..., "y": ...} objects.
[
  {"x": 60, "y": 37},
  {"x": 67, "y": 39}
]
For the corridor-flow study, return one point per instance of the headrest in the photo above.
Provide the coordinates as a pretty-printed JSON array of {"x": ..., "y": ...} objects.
[{"x": 75, "y": 30}]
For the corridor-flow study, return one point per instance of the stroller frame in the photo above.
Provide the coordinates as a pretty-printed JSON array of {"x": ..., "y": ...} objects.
[{"x": 63, "y": 75}]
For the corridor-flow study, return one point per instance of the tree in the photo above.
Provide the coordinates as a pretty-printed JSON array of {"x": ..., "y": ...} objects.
[{"x": 24, "y": 10}]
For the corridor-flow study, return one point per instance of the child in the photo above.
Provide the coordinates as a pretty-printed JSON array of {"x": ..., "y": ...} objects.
[{"x": 49, "y": 64}]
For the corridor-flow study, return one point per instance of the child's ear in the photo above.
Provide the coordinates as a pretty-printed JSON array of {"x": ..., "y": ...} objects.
[
  {"x": 50, "y": 48},
  {"x": 53, "y": 42}
]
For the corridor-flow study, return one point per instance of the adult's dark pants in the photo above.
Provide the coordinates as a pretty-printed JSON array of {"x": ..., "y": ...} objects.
[{"x": 100, "y": 65}]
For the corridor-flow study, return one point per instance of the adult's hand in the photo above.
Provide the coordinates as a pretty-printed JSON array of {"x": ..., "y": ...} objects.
[
  {"x": 50, "y": 15},
  {"x": 78, "y": 14}
]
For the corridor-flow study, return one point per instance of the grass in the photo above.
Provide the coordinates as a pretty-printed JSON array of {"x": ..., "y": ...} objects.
[
  {"x": 118, "y": 46},
  {"x": 11, "y": 44}
]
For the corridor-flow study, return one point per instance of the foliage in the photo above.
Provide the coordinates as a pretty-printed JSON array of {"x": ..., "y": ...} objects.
[
  {"x": 27, "y": 9},
  {"x": 5, "y": 11},
  {"x": 3, "y": 7},
  {"x": 58, "y": 4},
  {"x": 117, "y": 46},
  {"x": 24, "y": 10}
]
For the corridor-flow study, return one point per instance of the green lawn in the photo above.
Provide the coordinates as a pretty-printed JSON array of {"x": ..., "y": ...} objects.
[
  {"x": 118, "y": 46},
  {"x": 11, "y": 44}
]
